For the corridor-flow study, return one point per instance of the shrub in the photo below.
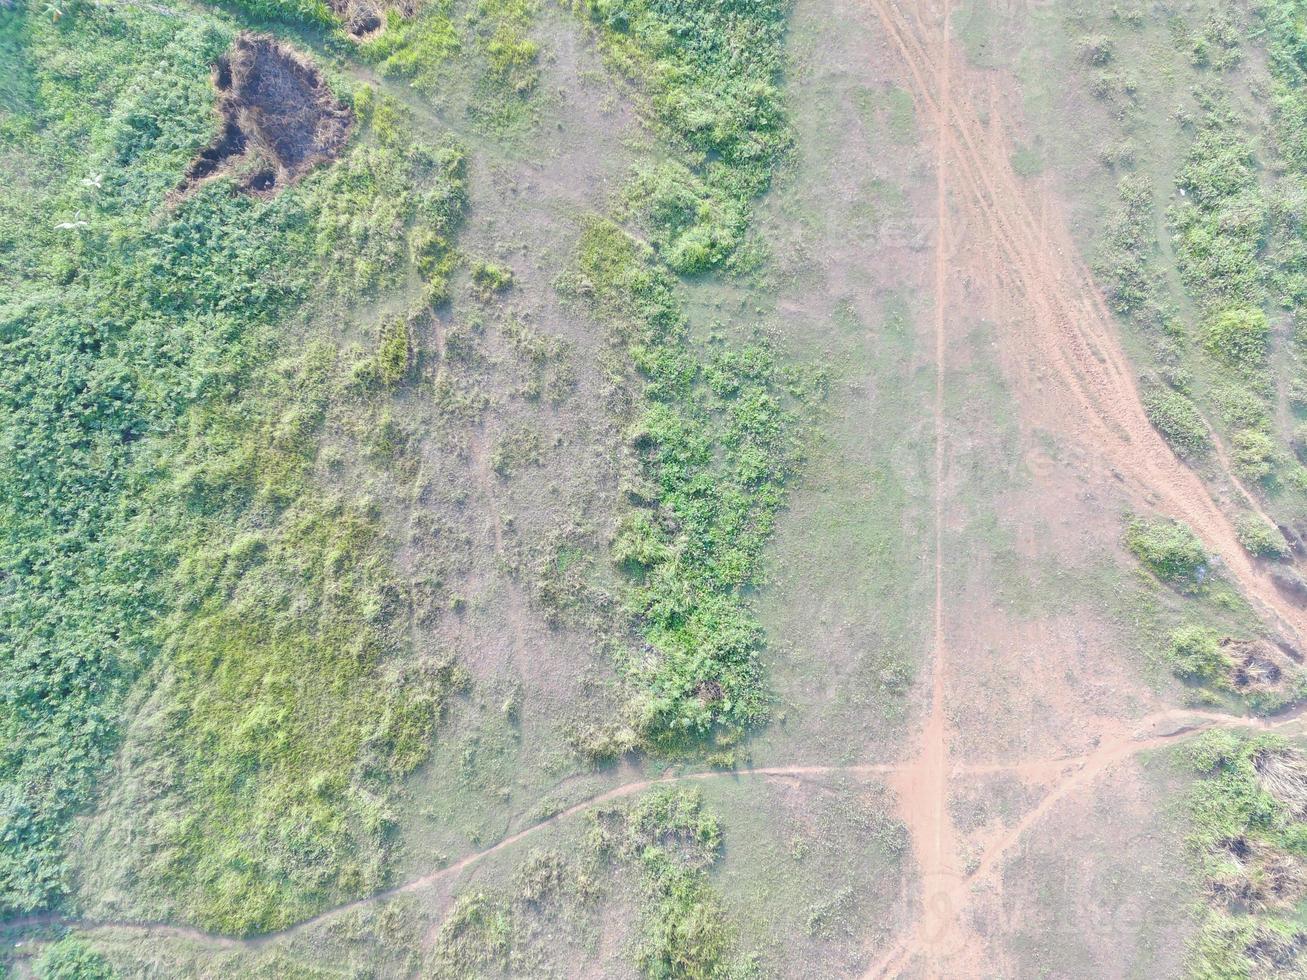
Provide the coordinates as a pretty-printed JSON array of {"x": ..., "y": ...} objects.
[
  {"x": 1195, "y": 654},
  {"x": 693, "y": 227},
  {"x": 1238, "y": 337},
  {"x": 1178, "y": 420},
  {"x": 1168, "y": 548},
  {"x": 1255, "y": 454},
  {"x": 1097, "y": 49},
  {"x": 71, "y": 958},
  {"x": 394, "y": 354},
  {"x": 1259, "y": 538},
  {"x": 490, "y": 278}
]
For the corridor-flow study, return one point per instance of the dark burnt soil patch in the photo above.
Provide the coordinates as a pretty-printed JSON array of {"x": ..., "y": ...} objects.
[
  {"x": 364, "y": 19},
  {"x": 277, "y": 115},
  {"x": 1261, "y": 667}
]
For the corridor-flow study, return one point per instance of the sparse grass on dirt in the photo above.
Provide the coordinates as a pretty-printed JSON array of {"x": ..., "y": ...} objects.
[{"x": 657, "y": 847}]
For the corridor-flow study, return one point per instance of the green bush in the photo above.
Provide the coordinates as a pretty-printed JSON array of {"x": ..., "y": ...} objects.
[
  {"x": 1178, "y": 420},
  {"x": 490, "y": 278},
  {"x": 1169, "y": 549},
  {"x": 716, "y": 439},
  {"x": 72, "y": 958},
  {"x": 1228, "y": 808},
  {"x": 1196, "y": 655},
  {"x": 692, "y": 227},
  {"x": 1238, "y": 337},
  {"x": 1255, "y": 454},
  {"x": 1259, "y": 538},
  {"x": 1097, "y": 50},
  {"x": 1222, "y": 225}
]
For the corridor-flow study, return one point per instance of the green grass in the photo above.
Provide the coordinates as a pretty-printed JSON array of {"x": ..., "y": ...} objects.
[
  {"x": 671, "y": 841},
  {"x": 71, "y": 958},
  {"x": 479, "y": 50},
  {"x": 1239, "y": 832},
  {"x": 166, "y": 515},
  {"x": 655, "y": 851},
  {"x": 712, "y": 444},
  {"x": 709, "y": 73},
  {"x": 1169, "y": 550}
]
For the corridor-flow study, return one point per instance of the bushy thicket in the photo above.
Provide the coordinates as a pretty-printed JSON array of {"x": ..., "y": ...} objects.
[
  {"x": 1176, "y": 417},
  {"x": 1169, "y": 549},
  {"x": 710, "y": 72},
  {"x": 712, "y": 445},
  {"x": 159, "y": 491},
  {"x": 671, "y": 840}
]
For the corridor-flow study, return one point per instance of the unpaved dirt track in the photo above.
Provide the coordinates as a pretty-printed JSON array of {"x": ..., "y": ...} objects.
[
  {"x": 1059, "y": 347},
  {"x": 929, "y": 935},
  {"x": 1070, "y": 371}
]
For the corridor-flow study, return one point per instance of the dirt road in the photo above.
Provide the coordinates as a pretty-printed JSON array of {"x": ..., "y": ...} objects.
[{"x": 1061, "y": 352}]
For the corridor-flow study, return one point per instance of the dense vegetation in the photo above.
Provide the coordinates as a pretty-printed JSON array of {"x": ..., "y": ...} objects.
[
  {"x": 168, "y": 511},
  {"x": 709, "y": 73},
  {"x": 1168, "y": 549},
  {"x": 710, "y": 447},
  {"x": 711, "y": 441}
]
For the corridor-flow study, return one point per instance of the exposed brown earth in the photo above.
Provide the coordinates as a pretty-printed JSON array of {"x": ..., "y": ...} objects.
[
  {"x": 279, "y": 119},
  {"x": 1062, "y": 357}
]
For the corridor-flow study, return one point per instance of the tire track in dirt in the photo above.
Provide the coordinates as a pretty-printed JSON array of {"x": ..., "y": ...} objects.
[
  {"x": 922, "y": 786},
  {"x": 1086, "y": 769},
  {"x": 1067, "y": 341},
  {"x": 1066, "y": 365}
]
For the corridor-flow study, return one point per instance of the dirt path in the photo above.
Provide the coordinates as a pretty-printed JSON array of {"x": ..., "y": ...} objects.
[
  {"x": 1061, "y": 353},
  {"x": 923, "y": 786},
  {"x": 1153, "y": 732},
  {"x": 930, "y": 934},
  {"x": 169, "y": 930}
]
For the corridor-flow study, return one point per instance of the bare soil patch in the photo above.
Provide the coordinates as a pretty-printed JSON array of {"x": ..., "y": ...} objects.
[{"x": 279, "y": 119}]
